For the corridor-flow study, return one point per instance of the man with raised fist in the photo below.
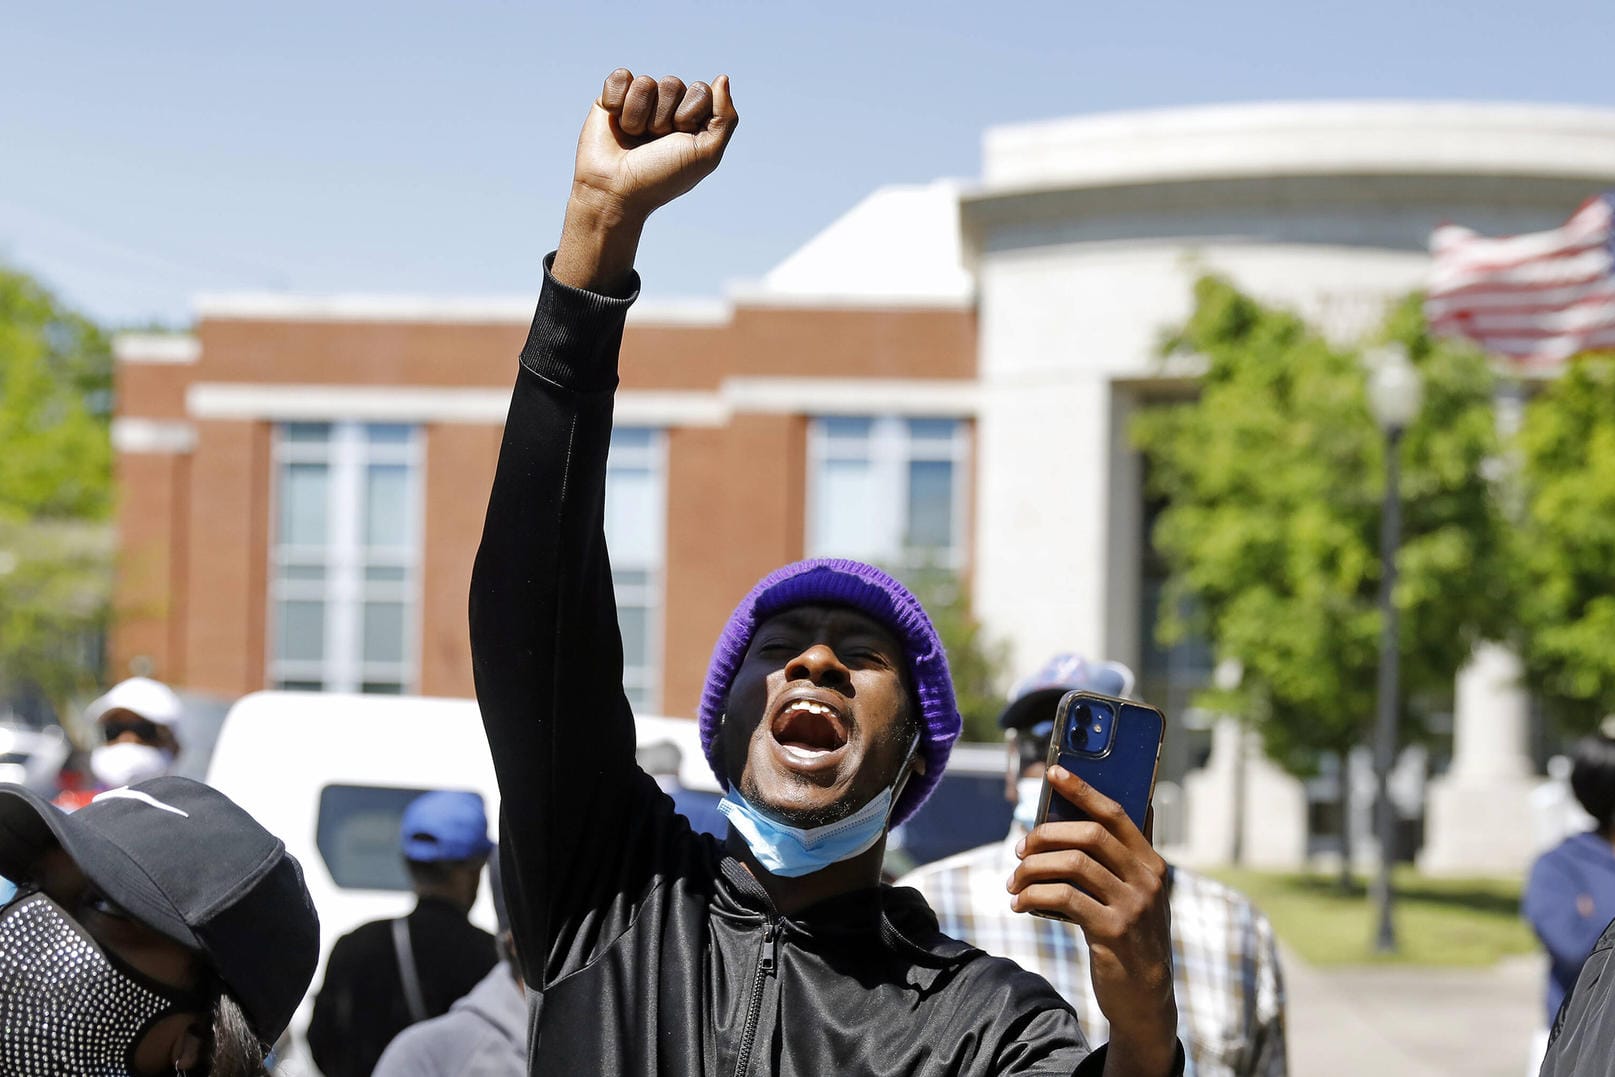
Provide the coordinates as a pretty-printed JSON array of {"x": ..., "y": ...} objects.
[{"x": 828, "y": 715}]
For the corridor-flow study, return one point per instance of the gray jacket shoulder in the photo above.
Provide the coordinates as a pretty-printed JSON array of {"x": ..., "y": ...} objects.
[{"x": 483, "y": 1035}]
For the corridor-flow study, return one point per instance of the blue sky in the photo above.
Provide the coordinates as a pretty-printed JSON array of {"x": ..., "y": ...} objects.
[{"x": 152, "y": 151}]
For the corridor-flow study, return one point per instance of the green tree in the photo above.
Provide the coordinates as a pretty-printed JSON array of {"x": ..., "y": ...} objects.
[
  {"x": 1273, "y": 478},
  {"x": 55, "y": 493},
  {"x": 1567, "y": 543},
  {"x": 976, "y": 660}
]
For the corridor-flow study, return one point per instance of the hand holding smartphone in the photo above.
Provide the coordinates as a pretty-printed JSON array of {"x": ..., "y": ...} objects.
[
  {"x": 1112, "y": 744},
  {"x": 1103, "y": 753}
]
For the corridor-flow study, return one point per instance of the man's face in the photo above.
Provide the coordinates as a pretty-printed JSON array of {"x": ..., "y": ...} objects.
[{"x": 819, "y": 717}]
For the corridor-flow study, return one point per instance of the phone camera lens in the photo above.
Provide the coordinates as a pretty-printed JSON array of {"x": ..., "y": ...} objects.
[{"x": 1089, "y": 729}]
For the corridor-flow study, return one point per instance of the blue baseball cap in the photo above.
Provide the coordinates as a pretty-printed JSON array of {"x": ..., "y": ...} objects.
[
  {"x": 444, "y": 826},
  {"x": 1033, "y": 699}
]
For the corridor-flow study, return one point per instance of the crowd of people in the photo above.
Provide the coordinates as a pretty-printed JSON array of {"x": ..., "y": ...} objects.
[{"x": 157, "y": 929}]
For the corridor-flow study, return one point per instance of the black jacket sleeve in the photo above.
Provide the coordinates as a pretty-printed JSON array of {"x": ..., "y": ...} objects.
[
  {"x": 1583, "y": 1040},
  {"x": 547, "y": 653}
]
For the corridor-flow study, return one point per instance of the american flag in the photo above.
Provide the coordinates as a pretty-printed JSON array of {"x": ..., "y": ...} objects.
[{"x": 1536, "y": 299}]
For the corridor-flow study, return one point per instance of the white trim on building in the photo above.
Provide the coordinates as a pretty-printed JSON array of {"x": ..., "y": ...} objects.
[
  {"x": 1301, "y": 138},
  {"x": 134, "y": 435},
  {"x": 634, "y": 407},
  {"x": 177, "y": 348},
  {"x": 913, "y": 397}
]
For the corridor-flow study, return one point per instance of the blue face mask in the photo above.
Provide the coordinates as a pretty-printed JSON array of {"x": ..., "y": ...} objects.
[
  {"x": 791, "y": 851},
  {"x": 1029, "y": 794}
]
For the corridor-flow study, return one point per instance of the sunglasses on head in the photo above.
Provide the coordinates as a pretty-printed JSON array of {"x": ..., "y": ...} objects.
[{"x": 140, "y": 727}]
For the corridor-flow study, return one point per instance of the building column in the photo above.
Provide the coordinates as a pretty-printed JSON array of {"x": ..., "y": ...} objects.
[{"x": 1478, "y": 815}]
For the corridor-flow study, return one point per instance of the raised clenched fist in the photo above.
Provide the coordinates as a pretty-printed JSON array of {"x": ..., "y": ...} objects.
[{"x": 647, "y": 141}]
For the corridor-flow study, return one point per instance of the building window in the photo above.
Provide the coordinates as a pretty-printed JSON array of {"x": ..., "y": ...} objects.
[
  {"x": 345, "y": 557},
  {"x": 888, "y": 490},
  {"x": 636, "y": 513}
]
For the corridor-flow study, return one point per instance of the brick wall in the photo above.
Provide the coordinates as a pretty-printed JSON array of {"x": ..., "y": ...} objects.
[{"x": 194, "y": 526}]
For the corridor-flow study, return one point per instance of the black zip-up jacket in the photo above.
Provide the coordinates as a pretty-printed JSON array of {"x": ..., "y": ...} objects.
[
  {"x": 1583, "y": 1040},
  {"x": 647, "y": 949}
]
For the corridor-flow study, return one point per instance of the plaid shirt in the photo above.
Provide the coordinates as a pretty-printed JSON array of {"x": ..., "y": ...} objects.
[{"x": 1230, "y": 990}]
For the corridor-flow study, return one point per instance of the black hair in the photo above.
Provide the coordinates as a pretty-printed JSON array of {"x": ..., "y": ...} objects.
[
  {"x": 1592, "y": 778},
  {"x": 1033, "y": 748},
  {"x": 233, "y": 1049},
  {"x": 438, "y": 872}
]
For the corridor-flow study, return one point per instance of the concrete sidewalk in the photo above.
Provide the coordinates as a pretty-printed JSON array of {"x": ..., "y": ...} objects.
[{"x": 1395, "y": 1021}]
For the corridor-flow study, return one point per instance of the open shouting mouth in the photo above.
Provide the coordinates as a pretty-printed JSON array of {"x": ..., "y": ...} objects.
[{"x": 810, "y": 729}]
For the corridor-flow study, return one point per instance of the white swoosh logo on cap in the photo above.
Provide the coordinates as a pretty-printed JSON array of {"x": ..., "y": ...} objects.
[{"x": 125, "y": 793}]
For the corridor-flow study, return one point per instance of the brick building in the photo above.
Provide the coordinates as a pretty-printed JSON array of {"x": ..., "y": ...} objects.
[
  {"x": 945, "y": 374},
  {"x": 303, "y": 479}
]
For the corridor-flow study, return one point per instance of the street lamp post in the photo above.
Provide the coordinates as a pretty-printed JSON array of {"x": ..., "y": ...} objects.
[{"x": 1394, "y": 396}]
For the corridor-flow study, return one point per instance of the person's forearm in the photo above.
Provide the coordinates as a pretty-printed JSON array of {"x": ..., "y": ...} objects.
[
  {"x": 598, "y": 243},
  {"x": 1147, "y": 1053}
]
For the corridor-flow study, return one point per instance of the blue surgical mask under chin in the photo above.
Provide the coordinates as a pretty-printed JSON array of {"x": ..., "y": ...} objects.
[{"x": 793, "y": 851}]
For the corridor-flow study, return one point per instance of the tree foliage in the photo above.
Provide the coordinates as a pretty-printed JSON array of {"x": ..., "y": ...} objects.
[
  {"x": 55, "y": 578},
  {"x": 1567, "y": 543},
  {"x": 976, "y": 661},
  {"x": 55, "y": 492},
  {"x": 1273, "y": 479}
]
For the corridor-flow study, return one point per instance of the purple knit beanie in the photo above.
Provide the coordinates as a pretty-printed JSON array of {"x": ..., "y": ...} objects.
[{"x": 865, "y": 588}]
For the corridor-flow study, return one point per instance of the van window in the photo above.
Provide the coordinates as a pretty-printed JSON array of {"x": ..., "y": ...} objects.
[
  {"x": 966, "y": 810},
  {"x": 357, "y": 835}
]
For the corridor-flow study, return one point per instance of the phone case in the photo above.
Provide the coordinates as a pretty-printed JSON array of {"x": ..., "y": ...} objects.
[{"x": 1125, "y": 772}]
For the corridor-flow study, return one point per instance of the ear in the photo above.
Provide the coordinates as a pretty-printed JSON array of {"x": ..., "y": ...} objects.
[
  {"x": 188, "y": 1047},
  {"x": 919, "y": 763}
]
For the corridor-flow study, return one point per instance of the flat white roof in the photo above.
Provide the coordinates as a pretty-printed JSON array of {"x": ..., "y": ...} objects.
[
  {"x": 1300, "y": 138},
  {"x": 899, "y": 246}
]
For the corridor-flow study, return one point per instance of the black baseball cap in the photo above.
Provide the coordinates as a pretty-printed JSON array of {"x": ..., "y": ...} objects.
[{"x": 187, "y": 861}]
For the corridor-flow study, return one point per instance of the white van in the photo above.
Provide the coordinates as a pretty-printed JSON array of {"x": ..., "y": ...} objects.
[{"x": 330, "y": 775}]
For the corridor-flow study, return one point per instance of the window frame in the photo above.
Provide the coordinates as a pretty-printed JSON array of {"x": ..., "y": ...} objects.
[
  {"x": 645, "y": 680},
  {"x": 347, "y": 453},
  {"x": 891, "y": 450}
]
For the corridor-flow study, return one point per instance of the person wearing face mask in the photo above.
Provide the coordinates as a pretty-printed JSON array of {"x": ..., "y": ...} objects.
[
  {"x": 1230, "y": 988},
  {"x": 136, "y": 729},
  {"x": 157, "y": 931},
  {"x": 828, "y": 715},
  {"x": 386, "y": 975}
]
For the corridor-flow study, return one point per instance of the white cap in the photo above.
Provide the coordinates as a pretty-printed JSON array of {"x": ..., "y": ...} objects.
[{"x": 152, "y": 700}]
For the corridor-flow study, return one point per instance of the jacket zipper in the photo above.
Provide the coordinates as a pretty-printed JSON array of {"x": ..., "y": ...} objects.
[{"x": 765, "y": 969}]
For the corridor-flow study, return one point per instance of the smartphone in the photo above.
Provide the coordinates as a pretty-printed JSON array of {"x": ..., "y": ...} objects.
[{"x": 1112, "y": 744}]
